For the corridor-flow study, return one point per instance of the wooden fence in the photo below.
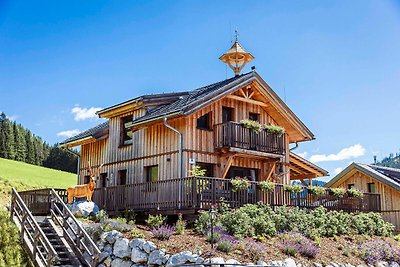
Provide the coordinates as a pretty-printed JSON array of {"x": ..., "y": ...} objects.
[{"x": 193, "y": 193}]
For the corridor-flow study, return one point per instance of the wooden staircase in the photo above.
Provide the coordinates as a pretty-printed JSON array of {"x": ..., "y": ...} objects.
[{"x": 56, "y": 239}]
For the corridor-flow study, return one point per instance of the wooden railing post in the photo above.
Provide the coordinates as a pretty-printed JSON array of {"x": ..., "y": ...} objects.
[{"x": 194, "y": 191}]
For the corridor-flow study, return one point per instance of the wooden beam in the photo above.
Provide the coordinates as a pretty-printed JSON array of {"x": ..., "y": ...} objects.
[
  {"x": 271, "y": 171},
  {"x": 241, "y": 91},
  {"x": 252, "y": 93},
  {"x": 303, "y": 176},
  {"x": 303, "y": 182},
  {"x": 251, "y": 101},
  {"x": 228, "y": 165}
]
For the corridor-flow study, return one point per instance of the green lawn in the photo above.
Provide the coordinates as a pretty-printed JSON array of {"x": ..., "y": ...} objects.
[{"x": 25, "y": 176}]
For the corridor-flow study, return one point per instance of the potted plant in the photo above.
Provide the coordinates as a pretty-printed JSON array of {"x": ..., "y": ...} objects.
[
  {"x": 239, "y": 184},
  {"x": 293, "y": 188},
  {"x": 353, "y": 192},
  {"x": 274, "y": 129},
  {"x": 250, "y": 124},
  {"x": 337, "y": 192},
  {"x": 267, "y": 186},
  {"x": 316, "y": 190}
]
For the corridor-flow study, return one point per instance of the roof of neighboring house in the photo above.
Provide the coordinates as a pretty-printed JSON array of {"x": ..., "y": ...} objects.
[
  {"x": 301, "y": 166},
  {"x": 92, "y": 132},
  {"x": 386, "y": 175}
]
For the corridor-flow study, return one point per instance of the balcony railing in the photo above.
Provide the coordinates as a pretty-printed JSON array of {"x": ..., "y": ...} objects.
[
  {"x": 203, "y": 192},
  {"x": 234, "y": 135}
]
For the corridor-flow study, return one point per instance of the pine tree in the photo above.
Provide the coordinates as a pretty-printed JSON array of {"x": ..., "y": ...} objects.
[
  {"x": 19, "y": 141},
  {"x": 30, "y": 154}
]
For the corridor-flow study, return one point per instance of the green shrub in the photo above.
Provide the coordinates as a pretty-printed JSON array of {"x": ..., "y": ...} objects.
[
  {"x": 238, "y": 223},
  {"x": 225, "y": 246},
  {"x": 180, "y": 225},
  {"x": 135, "y": 233},
  {"x": 197, "y": 171},
  {"x": 267, "y": 186},
  {"x": 316, "y": 190},
  {"x": 338, "y": 192},
  {"x": 101, "y": 216},
  {"x": 239, "y": 184},
  {"x": 120, "y": 220},
  {"x": 11, "y": 252},
  {"x": 155, "y": 221},
  {"x": 203, "y": 222},
  {"x": 353, "y": 192},
  {"x": 293, "y": 188}
]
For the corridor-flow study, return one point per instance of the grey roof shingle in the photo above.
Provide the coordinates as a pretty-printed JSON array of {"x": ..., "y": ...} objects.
[{"x": 88, "y": 133}]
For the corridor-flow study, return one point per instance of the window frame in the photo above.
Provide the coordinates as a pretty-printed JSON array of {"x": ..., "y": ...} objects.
[
  {"x": 351, "y": 186},
  {"x": 150, "y": 185},
  {"x": 124, "y": 141},
  {"x": 120, "y": 176},
  {"x": 231, "y": 114},
  {"x": 208, "y": 167},
  {"x": 254, "y": 114},
  {"x": 369, "y": 187},
  {"x": 209, "y": 122}
]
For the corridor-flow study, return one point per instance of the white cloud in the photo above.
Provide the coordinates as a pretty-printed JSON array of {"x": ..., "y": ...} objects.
[
  {"x": 337, "y": 170},
  {"x": 303, "y": 154},
  {"x": 68, "y": 133},
  {"x": 346, "y": 153},
  {"x": 81, "y": 114}
]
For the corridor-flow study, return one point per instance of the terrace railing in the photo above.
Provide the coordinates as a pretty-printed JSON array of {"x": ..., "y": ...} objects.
[
  {"x": 204, "y": 192},
  {"x": 234, "y": 135}
]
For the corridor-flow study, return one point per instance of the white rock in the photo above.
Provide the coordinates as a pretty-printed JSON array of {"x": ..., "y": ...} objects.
[
  {"x": 382, "y": 264},
  {"x": 120, "y": 263},
  {"x": 138, "y": 256},
  {"x": 108, "y": 248},
  {"x": 121, "y": 248},
  {"x": 157, "y": 257},
  {"x": 111, "y": 236},
  {"x": 289, "y": 262},
  {"x": 231, "y": 263},
  {"x": 217, "y": 261},
  {"x": 182, "y": 258},
  {"x": 83, "y": 208},
  {"x": 261, "y": 263},
  {"x": 394, "y": 264},
  {"x": 149, "y": 246},
  {"x": 137, "y": 242},
  {"x": 318, "y": 264},
  {"x": 104, "y": 255},
  {"x": 278, "y": 263}
]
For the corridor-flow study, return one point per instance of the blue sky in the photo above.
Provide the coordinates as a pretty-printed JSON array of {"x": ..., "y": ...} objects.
[{"x": 336, "y": 63}]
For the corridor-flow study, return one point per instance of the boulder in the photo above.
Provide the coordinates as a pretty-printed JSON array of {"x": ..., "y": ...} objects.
[
  {"x": 261, "y": 263},
  {"x": 120, "y": 263},
  {"x": 231, "y": 263},
  {"x": 104, "y": 255},
  {"x": 137, "y": 242},
  {"x": 110, "y": 237},
  {"x": 149, "y": 246},
  {"x": 289, "y": 262},
  {"x": 138, "y": 256},
  {"x": 217, "y": 261},
  {"x": 121, "y": 248},
  {"x": 83, "y": 208},
  {"x": 158, "y": 257},
  {"x": 182, "y": 258}
]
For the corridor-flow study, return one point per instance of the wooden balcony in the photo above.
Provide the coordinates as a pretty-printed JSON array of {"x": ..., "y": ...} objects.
[
  {"x": 232, "y": 135},
  {"x": 189, "y": 194}
]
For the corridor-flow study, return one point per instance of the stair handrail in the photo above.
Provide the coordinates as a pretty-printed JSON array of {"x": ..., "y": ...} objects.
[
  {"x": 77, "y": 242},
  {"x": 39, "y": 236}
]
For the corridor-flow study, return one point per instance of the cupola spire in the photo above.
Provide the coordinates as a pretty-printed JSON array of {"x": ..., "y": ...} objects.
[{"x": 236, "y": 57}]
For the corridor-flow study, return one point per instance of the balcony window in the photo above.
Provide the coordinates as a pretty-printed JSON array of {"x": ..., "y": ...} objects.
[
  {"x": 254, "y": 116},
  {"x": 208, "y": 167},
  {"x": 371, "y": 188},
  {"x": 126, "y": 133},
  {"x": 152, "y": 173},
  {"x": 227, "y": 114},
  {"x": 203, "y": 122},
  {"x": 350, "y": 186}
]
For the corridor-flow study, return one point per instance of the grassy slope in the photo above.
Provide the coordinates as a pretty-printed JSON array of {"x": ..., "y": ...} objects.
[{"x": 25, "y": 176}]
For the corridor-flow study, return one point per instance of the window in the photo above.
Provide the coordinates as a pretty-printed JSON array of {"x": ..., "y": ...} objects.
[
  {"x": 152, "y": 173},
  {"x": 122, "y": 177},
  {"x": 350, "y": 186},
  {"x": 126, "y": 134},
  {"x": 227, "y": 114},
  {"x": 254, "y": 116},
  {"x": 102, "y": 180},
  {"x": 371, "y": 188},
  {"x": 208, "y": 167},
  {"x": 203, "y": 122}
]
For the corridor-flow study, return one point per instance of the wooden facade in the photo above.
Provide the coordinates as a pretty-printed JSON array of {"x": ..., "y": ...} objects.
[{"x": 262, "y": 156}]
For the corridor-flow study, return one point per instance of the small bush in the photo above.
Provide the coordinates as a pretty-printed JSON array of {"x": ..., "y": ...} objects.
[
  {"x": 253, "y": 250},
  {"x": 120, "y": 220},
  {"x": 155, "y": 221},
  {"x": 101, "y": 216},
  {"x": 180, "y": 225},
  {"x": 293, "y": 243},
  {"x": 135, "y": 233},
  {"x": 375, "y": 250},
  {"x": 197, "y": 171},
  {"x": 293, "y": 188},
  {"x": 267, "y": 186},
  {"x": 225, "y": 246},
  {"x": 215, "y": 235},
  {"x": 163, "y": 232}
]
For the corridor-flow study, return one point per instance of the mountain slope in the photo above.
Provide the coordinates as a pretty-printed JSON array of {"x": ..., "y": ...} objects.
[{"x": 25, "y": 176}]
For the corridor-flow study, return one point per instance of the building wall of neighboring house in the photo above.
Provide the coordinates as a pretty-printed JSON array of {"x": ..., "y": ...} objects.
[
  {"x": 390, "y": 198},
  {"x": 158, "y": 145}
]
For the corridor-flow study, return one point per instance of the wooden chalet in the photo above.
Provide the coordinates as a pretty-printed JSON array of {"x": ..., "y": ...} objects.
[
  {"x": 374, "y": 179},
  {"x": 151, "y": 139}
]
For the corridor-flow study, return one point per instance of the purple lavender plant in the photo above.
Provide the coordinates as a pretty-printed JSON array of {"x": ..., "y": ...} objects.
[
  {"x": 254, "y": 250},
  {"x": 375, "y": 250},
  {"x": 293, "y": 243},
  {"x": 163, "y": 232}
]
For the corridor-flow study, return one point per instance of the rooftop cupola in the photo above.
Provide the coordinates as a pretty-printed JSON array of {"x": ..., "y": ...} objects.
[{"x": 236, "y": 57}]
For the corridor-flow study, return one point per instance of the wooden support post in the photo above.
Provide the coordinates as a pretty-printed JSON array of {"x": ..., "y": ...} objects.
[
  {"x": 228, "y": 165},
  {"x": 271, "y": 171},
  {"x": 303, "y": 182}
]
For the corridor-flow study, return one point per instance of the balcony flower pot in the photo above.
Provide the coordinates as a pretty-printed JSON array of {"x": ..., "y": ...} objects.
[
  {"x": 253, "y": 125},
  {"x": 274, "y": 129},
  {"x": 316, "y": 190},
  {"x": 337, "y": 192},
  {"x": 293, "y": 188},
  {"x": 239, "y": 184},
  {"x": 267, "y": 186},
  {"x": 355, "y": 193}
]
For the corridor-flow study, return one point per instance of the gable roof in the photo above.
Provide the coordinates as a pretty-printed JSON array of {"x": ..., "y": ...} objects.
[
  {"x": 94, "y": 132},
  {"x": 301, "y": 166},
  {"x": 386, "y": 175}
]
